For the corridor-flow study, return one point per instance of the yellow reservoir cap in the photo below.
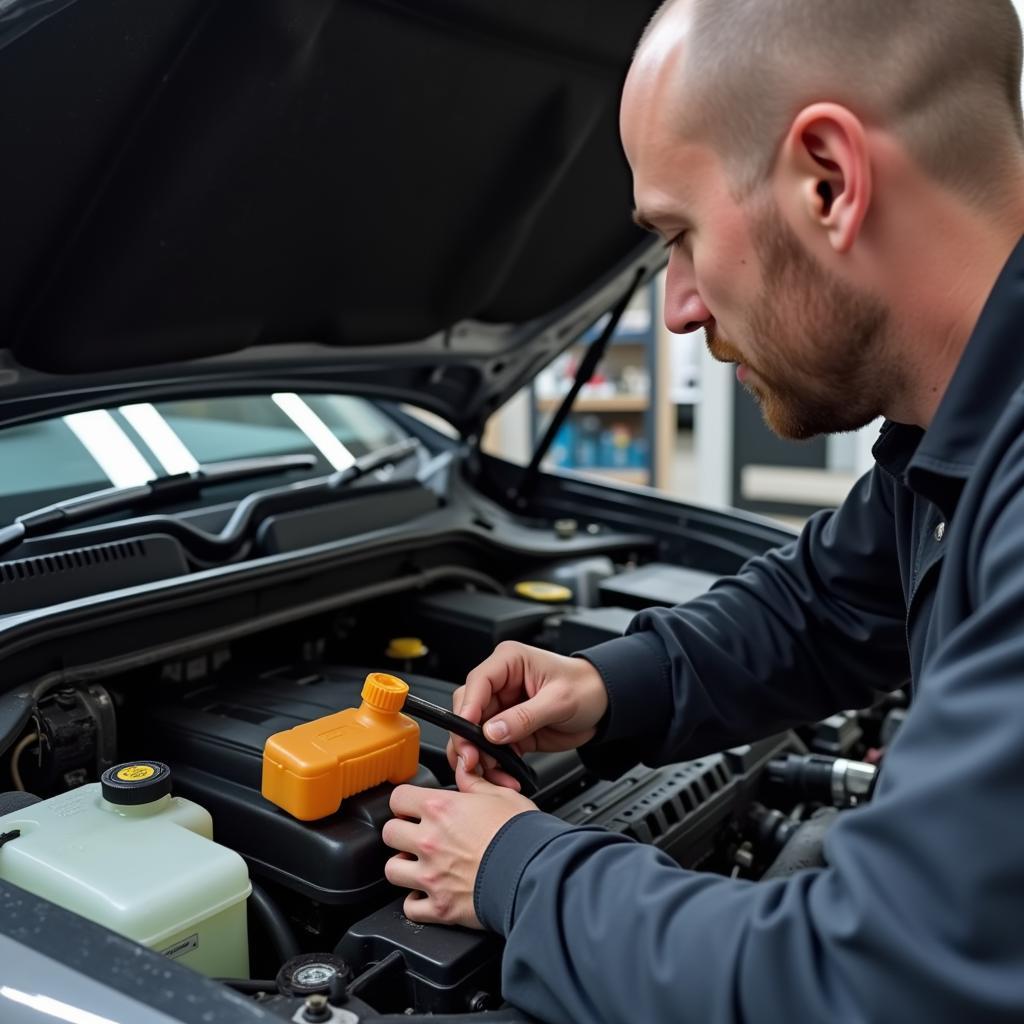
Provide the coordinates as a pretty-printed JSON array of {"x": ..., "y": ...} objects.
[
  {"x": 406, "y": 648},
  {"x": 540, "y": 590},
  {"x": 384, "y": 693},
  {"x": 310, "y": 769}
]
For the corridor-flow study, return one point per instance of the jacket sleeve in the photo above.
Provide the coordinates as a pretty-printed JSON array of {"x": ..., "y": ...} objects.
[
  {"x": 779, "y": 644},
  {"x": 915, "y": 918}
]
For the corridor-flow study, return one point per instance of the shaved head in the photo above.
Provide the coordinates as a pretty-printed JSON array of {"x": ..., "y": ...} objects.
[{"x": 944, "y": 76}]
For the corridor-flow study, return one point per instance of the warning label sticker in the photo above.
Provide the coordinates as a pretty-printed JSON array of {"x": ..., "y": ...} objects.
[{"x": 136, "y": 773}]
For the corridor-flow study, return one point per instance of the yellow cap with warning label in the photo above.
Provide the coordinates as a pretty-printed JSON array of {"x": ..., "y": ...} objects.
[{"x": 135, "y": 782}]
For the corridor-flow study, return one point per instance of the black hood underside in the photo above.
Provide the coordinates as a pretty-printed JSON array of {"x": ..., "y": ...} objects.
[{"x": 418, "y": 200}]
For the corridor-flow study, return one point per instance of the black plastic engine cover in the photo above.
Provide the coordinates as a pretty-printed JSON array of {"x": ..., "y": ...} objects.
[
  {"x": 441, "y": 967},
  {"x": 213, "y": 738},
  {"x": 337, "y": 860}
]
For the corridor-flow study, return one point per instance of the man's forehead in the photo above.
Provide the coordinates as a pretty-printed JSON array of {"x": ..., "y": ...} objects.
[{"x": 656, "y": 102}]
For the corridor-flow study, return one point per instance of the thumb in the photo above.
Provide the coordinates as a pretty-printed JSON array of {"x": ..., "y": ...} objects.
[{"x": 522, "y": 720}]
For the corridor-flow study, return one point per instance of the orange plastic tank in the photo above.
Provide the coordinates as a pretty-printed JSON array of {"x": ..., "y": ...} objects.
[{"x": 310, "y": 769}]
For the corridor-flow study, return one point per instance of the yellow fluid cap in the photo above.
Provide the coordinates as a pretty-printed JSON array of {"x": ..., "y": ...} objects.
[
  {"x": 538, "y": 590},
  {"x": 383, "y": 692},
  {"x": 406, "y": 648}
]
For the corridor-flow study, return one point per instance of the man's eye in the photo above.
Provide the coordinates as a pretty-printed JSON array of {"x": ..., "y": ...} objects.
[{"x": 677, "y": 240}]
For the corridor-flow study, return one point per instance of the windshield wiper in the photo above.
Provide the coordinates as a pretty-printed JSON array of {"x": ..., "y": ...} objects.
[
  {"x": 253, "y": 508},
  {"x": 161, "y": 491}
]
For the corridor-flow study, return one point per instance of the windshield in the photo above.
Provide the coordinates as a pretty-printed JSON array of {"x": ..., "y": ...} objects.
[{"x": 60, "y": 458}]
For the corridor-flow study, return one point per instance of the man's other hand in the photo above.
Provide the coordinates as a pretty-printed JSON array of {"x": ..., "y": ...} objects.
[
  {"x": 441, "y": 837},
  {"x": 531, "y": 699}
]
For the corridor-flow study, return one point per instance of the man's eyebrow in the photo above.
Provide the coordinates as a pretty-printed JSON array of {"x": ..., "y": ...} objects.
[{"x": 641, "y": 221}]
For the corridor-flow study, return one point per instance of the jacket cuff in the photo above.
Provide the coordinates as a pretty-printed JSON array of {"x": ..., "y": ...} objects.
[
  {"x": 516, "y": 843},
  {"x": 635, "y": 670}
]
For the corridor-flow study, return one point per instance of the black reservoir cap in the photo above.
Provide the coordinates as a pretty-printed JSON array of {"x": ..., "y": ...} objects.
[{"x": 136, "y": 782}]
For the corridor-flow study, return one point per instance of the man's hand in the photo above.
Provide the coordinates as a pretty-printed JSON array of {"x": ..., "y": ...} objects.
[
  {"x": 531, "y": 699},
  {"x": 442, "y": 837}
]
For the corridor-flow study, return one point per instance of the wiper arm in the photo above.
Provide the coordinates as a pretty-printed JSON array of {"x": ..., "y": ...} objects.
[
  {"x": 239, "y": 529},
  {"x": 308, "y": 494},
  {"x": 161, "y": 491}
]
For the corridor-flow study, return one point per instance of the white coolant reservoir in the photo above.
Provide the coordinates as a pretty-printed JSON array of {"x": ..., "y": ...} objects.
[{"x": 125, "y": 853}]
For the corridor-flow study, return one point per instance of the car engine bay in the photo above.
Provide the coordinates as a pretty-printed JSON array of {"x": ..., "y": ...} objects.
[{"x": 323, "y": 928}]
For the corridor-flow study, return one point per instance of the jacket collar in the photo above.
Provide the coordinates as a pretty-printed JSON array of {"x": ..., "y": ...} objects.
[{"x": 936, "y": 463}]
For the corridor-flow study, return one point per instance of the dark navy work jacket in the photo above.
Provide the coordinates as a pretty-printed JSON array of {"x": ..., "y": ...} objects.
[{"x": 919, "y": 916}]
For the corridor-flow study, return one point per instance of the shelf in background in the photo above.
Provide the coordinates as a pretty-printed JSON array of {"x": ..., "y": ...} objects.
[{"x": 621, "y": 403}]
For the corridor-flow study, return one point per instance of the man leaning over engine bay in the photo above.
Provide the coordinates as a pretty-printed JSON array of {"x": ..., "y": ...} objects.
[{"x": 840, "y": 185}]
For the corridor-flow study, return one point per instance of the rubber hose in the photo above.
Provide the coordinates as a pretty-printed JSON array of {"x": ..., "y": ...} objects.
[
  {"x": 506, "y": 757},
  {"x": 274, "y": 922}
]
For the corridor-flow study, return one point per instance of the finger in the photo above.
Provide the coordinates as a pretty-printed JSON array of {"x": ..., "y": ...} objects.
[
  {"x": 458, "y": 747},
  {"x": 503, "y": 669},
  {"x": 467, "y": 751},
  {"x": 407, "y": 801},
  {"x": 503, "y": 779},
  {"x": 521, "y": 721},
  {"x": 400, "y": 835},
  {"x": 418, "y": 908},
  {"x": 404, "y": 873}
]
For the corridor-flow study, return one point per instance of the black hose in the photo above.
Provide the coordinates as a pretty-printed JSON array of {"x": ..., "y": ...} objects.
[
  {"x": 15, "y": 713},
  {"x": 382, "y": 968},
  {"x": 275, "y": 924},
  {"x": 506, "y": 757}
]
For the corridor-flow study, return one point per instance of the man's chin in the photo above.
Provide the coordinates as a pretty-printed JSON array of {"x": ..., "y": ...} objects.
[
  {"x": 786, "y": 421},
  {"x": 793, "y": 423}
]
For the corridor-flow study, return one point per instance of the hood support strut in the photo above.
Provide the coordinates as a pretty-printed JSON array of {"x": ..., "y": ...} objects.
[{"x": 588, "y": 365}]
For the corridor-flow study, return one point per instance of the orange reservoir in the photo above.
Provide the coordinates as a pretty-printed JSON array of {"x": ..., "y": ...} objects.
[{"x": 310, "y": 769}]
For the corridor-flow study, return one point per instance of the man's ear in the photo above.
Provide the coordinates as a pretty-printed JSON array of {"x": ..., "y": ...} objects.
[{"x": 825, "y": 172}]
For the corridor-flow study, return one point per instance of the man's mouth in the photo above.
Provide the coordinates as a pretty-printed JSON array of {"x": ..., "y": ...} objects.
[{"x": 722, "y": 351}]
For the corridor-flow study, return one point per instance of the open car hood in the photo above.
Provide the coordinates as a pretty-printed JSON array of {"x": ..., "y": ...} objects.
[{"x": 420, "y": 201}]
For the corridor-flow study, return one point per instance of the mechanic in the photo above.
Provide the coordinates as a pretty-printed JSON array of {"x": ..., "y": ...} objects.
[{"x": 840, "y": 184}]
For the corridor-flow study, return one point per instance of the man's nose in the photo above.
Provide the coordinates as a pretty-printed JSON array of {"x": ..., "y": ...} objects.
[{"x": 684, "y": 308}]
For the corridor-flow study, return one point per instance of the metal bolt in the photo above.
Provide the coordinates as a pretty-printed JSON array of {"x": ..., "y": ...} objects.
[
  {"x": 566, "y": 529},
  {"x": 316, "y": 1009}
]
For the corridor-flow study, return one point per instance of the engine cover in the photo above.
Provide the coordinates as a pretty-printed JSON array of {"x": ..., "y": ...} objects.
[{"x": 213, "y": 738}]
